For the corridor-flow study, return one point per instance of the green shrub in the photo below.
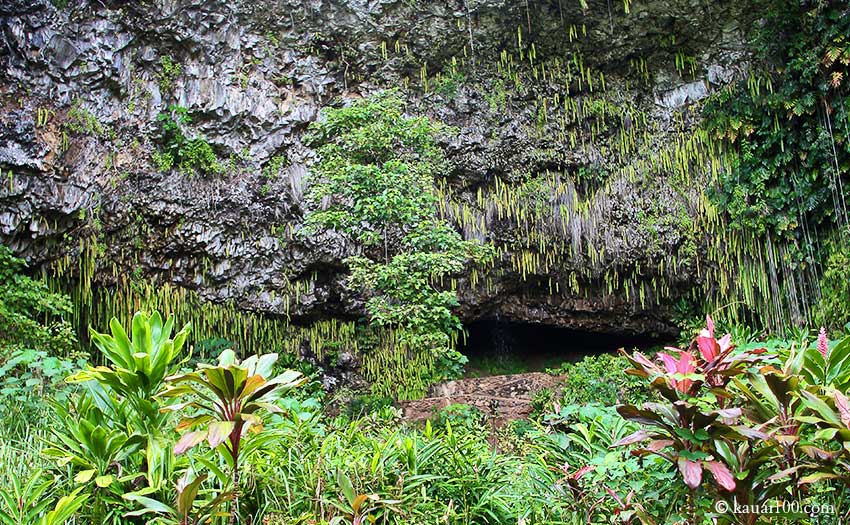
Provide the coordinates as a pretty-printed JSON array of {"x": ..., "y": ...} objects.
[
  {"x": 37, "y": 344},
  {"x": 788, "y": 123},
  {"x": 366, "y": 404},
  {"x": 375, "y": 183},
  {"x": 81, "y": 120},
  {"x": 31, "y": 316},
  {"x": 600, "y": 379},
  {"x": 449, "y": 81},
  {"x": 26, "y": 377},
  {"x": 459, "y": 415},
  {"x": 168, "y": 73},
  {"x": 189, "y": 155},
  {"x": 834, "y": 307},
  {"x": 578, "y": 440}
]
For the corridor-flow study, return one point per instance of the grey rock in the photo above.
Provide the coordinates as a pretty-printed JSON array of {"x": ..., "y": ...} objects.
[
  {"x": 683, "y": 95},
  {"x": 255, "y": 74}
]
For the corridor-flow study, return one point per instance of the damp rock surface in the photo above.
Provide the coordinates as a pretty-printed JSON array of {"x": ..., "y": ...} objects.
[{"x": 82, "y": 86}]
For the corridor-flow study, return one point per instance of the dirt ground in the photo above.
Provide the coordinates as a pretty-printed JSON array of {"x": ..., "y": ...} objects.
[{"x": 501, "y": 398}]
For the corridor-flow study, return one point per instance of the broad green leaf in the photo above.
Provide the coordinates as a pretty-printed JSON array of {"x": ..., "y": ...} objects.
[
  {"x": 346, "y": 486},
  {"x": 104, "y": 481},
  {"x": 148, "y": 504},
  {"x": 85, "y": 476}
]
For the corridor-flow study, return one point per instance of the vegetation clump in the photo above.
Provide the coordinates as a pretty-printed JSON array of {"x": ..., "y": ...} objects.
[
  {"x": 189, "y": 155},
  {"x": 760, "y": 422},
  {"x": 789, "y": 123},
  {"x": 375, "y": 183},
  {"x": 37, "y": 342},
  {"x": 81, "y": 120},
  {"x": 599, "y": 379},
  {"x": 169, "y": 72}
]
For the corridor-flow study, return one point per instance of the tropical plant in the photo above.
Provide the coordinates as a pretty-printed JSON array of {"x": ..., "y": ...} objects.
[
  {"x": 827, "y": 364},
  {"x": 24, "y": 502},
  {"x": 228, "y": 399},
  {"x": 578, "y": 443},
  {"x": 375, "y": 183},
  {"x": 600, "y": 379},
  {"x": 787, "y": 123},
  {"x": 688, "y": 430},
  {"x": 765, "y": 468},
  {"x": 111, "y": 433},
  {"x": 356, "y": 508},
  {"x": 187, "y": 509},
  {"x": 37, "y": 343},
  {"x": 189, "y": 155},
  {"x": 64, "y": 509},
  {"x": 87, "y": 440},
  {"x": 139, "y": 366},
  {"x": 830, "y": 414}
]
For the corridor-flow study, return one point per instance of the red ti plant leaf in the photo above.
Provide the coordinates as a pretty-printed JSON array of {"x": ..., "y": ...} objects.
[
  {"x": 843, "y": 408},
  {"x": 725, "y": 343},
  {"x": 730, "y": 413},
  {"x": 617, "y": 498},
  {"x": 643, "y": 361},
  {"x": 643, "y": 367},
  {"x": 582, "y": 471},
  {"x": 659, "y": 444},
  {"x": 708, "y": 347},
  {"x": 219, "y": 431},
  {"x": 187, "y": 441},
  {"x": 684, "y": 365},
  {"x": 721, "y": 474},
  {"x": 669, "y": 361},
  {"x": 750, "y": 433},
  {"x": 691, "y": 472},
  {"x": 635, "y": 437},
  {"x": 819, "y": 454},
  {"x": 644, "y": 417}
]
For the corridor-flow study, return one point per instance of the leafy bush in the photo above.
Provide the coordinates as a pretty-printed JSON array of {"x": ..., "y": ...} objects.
[
  {"x": 26, "y": 377},
  {"x": 30, "y": 502},
  {"x": 599, "y": 379},
  {"x": 110, "y": 436},
  {"x": 81, "y": 120},
  {"x": 228, "y": 402},
  {"x": 834, "y": 306},
  {"x": 37, "y": 344},
  {"x": 603, "y": 480},
  {"x": 30, "y": 315},
  {"x": 374, "y": 183},
  {"x": 189, "y": 155},
  {"x": 169, "y": 72},
  {"x": 789, "y": 123},
  {"x": 362, "y": 405},
  {"x": 762, "y": 424},
  {"x": 459, "y": 415}
]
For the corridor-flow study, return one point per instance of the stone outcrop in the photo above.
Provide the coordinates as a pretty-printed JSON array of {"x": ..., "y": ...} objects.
[{"x": 82, "y": 83}]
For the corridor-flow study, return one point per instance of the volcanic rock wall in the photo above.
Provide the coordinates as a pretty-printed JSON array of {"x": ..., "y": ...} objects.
[{"x": 576, "y": 148}]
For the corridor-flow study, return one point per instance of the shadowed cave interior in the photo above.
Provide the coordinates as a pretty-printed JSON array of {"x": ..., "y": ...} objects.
[{"x": 496, "y": 347}]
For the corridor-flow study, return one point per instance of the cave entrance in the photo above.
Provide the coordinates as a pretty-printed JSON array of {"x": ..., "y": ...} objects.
[{"x": 500, "y": 347}]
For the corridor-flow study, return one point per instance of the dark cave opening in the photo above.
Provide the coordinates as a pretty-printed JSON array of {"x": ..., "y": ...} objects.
[{"x": 502, "y": 347}]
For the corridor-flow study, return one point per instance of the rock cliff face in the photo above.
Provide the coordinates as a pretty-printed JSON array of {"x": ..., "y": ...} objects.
[{"x": 560, "y": 107}]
